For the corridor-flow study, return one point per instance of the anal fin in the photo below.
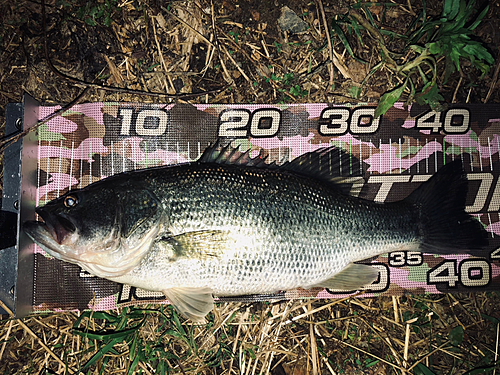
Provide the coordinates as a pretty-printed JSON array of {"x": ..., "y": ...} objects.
[
  {"x": 353, "y": 277},
  {"x": 193, "y": 303}
]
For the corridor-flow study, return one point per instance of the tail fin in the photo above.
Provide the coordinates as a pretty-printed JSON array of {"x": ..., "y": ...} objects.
[{"x": 445, "y": 226}]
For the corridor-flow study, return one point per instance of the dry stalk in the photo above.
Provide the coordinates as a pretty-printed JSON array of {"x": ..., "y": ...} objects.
[
  {"x": 377, "y": 36},
  {"x": 396, "y": 310},
  {"x": 372, "y": 355},
  {"x": 496, "y": 347},
  {"x": 494, "y": 82},
  {"x": 386, "y": 340},
  {"x": 342, "y": 69},
  {"x": 236, "y": 64},
  {"x": 307, "y": 313},
  {"x": 5, "y": 338},
  {"x": 407, "y": 341},
  {"x": 428, "y": 355},
  {"x": 37, "y": 339},
  {"x": 314, "y": 351},
  {"x": 160, "y": 53}
]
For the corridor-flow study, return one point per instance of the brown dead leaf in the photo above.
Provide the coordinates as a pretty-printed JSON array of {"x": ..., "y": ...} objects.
[
  {"x": 357, "y": 70},
  {"x": 161, "y": 21},
  {"x": 373, "y": 94},
  {"x": 376, "y": 9},
  {"x": 393, "y": 13},
  {"x": 255, "y": 15},
  {"x": 297, "y": 368},
  {"x": 228, "y": 5}
]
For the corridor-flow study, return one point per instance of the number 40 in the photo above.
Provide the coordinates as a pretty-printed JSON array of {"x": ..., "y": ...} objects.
[
  {"x": 456, "y": 121},
  {"x": 471, "y": 272}
]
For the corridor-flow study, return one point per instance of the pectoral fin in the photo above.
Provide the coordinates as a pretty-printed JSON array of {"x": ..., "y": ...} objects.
[
  {"x": 199, "y": 244},
  {"x": 353, "y": 277},
  {"x": 193, "y": 303}
]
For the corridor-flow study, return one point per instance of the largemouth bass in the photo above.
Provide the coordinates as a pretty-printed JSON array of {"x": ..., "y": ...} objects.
[{"x": 230, "y": 225}]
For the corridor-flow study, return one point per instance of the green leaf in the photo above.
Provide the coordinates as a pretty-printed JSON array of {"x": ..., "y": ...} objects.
[
  {"x": 251, "y": 353},
  {"x": 99, "y": 335},
  {"x": 422, "y": 369},
  {"x": 161, "y": 368},
  {"x": 107, "y": 20},
  {"x": 342, "y": 37},
  {"x": 133, "y": 365},
  {"x": 90, "y": 21},
  {"x": 455, "y": 57},
  {"x": 477, "y": 50},
  {"x": 389, "y": 98},
  {"x": 356, "y": 29},
  {"x": 370, "y": 363},
  {"x": 491, "y": 319},
  {"x": 104, "y": 363},
  {"x": 435, "y": 48},
  {"x": 174, "y": 333},
  {"x": 85, "y": 314},
  {"x": 464, "y": 12},
  {"x": 418, "y": 49},
  {"x": 479, "y": 18},
  {"x": 456, "y": 336},
  {"x": 297, "y": 91},
  {"x": 369, "y": 15},
  {"x": 105, "y": 316},
  {"x": 278, "y": 46},
  {"x": 482, "y": 370},
  {"x": 451, "y": 8},
  {"x": 101, "y": 352},
  {"x": 355, "y": 92},
  {"x": 430, "y": 97}
]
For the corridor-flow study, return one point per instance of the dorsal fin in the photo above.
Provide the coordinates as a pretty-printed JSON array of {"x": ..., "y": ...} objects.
[
  {"x": 228, "y": 155},
  {"x": 332, "y": 165},
  {"x": 340, "y": 170}
]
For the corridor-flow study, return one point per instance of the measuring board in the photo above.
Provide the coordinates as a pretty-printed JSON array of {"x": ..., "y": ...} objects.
[{"x": 399, "y": 150}]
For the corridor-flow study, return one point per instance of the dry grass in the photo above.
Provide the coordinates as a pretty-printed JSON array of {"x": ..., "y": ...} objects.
[
  {"x": 229, "y": 52},
  {"x": 450, "y": 334}
]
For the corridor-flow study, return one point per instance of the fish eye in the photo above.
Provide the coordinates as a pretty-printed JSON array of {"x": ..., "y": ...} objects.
[{"x": 70, "y": 201}]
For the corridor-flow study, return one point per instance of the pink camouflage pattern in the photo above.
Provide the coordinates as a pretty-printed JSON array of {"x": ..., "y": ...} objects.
[{"x": 399, "y": 151}]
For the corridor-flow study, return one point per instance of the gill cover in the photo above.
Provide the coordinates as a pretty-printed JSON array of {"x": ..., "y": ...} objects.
[
  {"x": 138, "y": 217},
  {"x": 139, "y": 207}
]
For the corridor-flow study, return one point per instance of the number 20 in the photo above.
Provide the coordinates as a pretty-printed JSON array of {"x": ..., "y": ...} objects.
[{"x": 263, "y": 123}]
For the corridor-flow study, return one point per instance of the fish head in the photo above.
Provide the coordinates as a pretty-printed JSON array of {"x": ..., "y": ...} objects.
[{"x": 105, "y": 230}]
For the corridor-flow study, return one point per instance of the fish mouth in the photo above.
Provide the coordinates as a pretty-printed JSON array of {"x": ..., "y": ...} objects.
[
  {"x": 60, "y": 227},
  {"x": 40, "y": 234},
  {"x": 53, "y": 233}
]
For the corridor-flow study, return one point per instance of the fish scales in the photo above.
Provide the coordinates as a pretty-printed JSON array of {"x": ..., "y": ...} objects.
[
  {"x": 286, "y": 231},
  {"x": 231, "y": 225}
]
